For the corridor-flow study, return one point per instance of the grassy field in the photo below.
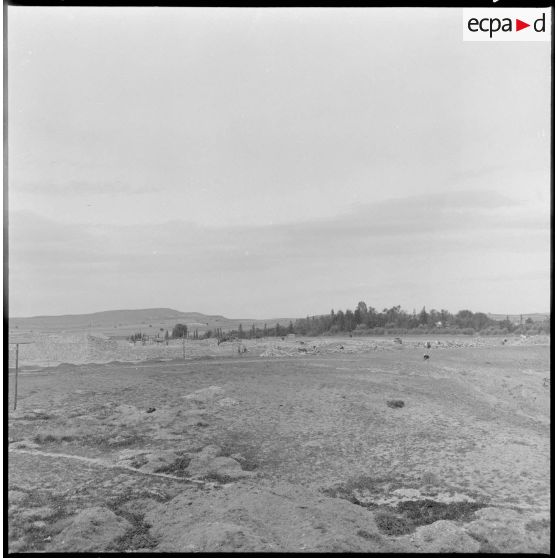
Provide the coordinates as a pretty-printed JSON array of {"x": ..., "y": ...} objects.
[{"x": 307, "y": 452}]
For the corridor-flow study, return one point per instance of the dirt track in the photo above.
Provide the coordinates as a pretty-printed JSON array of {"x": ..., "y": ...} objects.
[{"x": 472, "y": 437}]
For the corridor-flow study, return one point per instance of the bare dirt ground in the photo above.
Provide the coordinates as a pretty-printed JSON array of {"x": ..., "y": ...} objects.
[{"x": 290, "y": 451}]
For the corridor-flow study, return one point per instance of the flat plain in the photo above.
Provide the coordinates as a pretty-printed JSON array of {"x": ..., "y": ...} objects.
[{"x": 344, "y": 445}]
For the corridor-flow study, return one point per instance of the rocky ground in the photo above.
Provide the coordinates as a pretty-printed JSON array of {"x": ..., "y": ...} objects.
[{"x": 345, "y": 451}]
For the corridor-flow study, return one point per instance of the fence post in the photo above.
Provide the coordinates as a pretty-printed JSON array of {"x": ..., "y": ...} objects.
[{"x": 16, "y": 371}]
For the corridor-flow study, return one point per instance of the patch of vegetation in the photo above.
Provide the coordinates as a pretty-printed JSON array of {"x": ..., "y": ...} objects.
[
  {"x": 358, "y": 484},
  {"x": 430, "y": 478},
  {"x": 56, "y": 436},
  {"x": 35, "y": 534},
  {"x": 248, "y": 462},
  {"x": 136, "y": 537},
  {"x": 537, "y": 524},
  {"x": 35, "y": 416},
  {"x": 395, "y": 403},
  {"x": 486, "y": 547},
  {"x": 177, "y": 468},
  {"x": 369, "y": 536},
  {"x": 138, "y": 461},
  {"x": 424, "y": 512},
  {"x": 394, "y": 525},
  {"x": 218, "y": 477},
  {"x": 116, "y": 442},
  {"x": 407, "y": 514}
]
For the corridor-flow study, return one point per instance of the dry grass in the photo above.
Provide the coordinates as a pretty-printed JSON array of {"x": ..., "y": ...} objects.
[
  {"x": 177, "y": 468},
  {"x": 61, "y": 434}
]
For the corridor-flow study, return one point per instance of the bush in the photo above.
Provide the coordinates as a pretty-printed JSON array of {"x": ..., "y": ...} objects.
[{"x": 395, "y": 403}]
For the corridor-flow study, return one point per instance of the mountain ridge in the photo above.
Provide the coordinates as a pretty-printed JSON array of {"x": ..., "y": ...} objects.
[{"x": 127, "y": 321}]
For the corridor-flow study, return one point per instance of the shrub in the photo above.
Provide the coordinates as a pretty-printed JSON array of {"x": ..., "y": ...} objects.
[{"x": 396, "y": 403}]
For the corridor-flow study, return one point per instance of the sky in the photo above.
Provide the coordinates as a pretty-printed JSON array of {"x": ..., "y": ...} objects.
[{"x": 279, "y": 162}]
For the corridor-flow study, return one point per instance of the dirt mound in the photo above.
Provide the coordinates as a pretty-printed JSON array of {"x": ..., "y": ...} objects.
[
  {"x": 209, "y": 465},
  {"x": 507, "y": 531},
  {"x": 91, "y": 530},
  {"x": 281, "y": 517},
  {"x": 443, "y": 536}
]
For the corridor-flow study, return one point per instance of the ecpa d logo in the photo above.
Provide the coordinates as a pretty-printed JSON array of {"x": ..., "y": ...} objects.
[{"x": 503, "y": 24}]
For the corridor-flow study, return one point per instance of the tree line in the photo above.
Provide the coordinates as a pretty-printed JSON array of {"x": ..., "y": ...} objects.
[{"x": 366, "y": 320}]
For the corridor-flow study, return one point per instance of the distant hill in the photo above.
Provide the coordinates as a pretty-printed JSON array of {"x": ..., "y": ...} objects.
[
  {"x": 118, "y": 323},
  {"x": 516, "y": 317}
]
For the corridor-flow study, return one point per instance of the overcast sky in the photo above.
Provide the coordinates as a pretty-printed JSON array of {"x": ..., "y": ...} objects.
[{"x": 274, "y": 162}]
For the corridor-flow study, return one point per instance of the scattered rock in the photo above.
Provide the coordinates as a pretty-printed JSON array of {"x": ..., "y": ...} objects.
[
  {"x": 443, "y": 536},
  {"x": 39, "y": 524},
  {"x": 151, "y": 410},
  {"x": 92, "y": 530}
]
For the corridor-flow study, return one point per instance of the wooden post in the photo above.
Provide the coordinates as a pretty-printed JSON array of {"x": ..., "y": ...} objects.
[
  {"x": 16, "y": 371},
  {"x": 183, "y": 346}
]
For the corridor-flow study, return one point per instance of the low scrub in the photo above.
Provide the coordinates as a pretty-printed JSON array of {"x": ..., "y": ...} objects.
[
  {"x": 178, "y": 468},
  {"x": 57, "y": 435},
  {"x": 396, "y": 403}
]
